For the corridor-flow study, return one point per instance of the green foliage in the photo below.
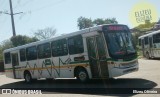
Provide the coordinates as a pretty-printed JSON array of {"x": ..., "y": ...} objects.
[
  {"x": 141, "y": 30},
  {"x": 45, "y": 33},
  {"x": 21, "y": 40},
  {"x": 146, "y": 26},
  {"x": 5, "y": 45},
  {"x": 86, "y": 23},
  {"x": 100, "y": 21},
  {"x": 15, "y": 41}
]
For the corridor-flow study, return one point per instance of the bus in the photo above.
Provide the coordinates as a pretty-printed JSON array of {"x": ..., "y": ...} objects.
[
  {"x": 150, "y": 44},
  {"x": 100, "y": 52}
]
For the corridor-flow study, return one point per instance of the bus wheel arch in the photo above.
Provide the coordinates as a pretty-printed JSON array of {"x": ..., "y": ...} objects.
[
  {"x": 27, "y": 76},
  {"x": 81, "y": 74}
]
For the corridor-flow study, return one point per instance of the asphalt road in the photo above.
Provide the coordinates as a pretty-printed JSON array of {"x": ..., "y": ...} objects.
[{"x": 148, "y": 77}]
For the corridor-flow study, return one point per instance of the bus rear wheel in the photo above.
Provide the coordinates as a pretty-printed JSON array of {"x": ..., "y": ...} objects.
[
  {"x": 27, "y": 77},
  {"x": 82, "y": 75}
]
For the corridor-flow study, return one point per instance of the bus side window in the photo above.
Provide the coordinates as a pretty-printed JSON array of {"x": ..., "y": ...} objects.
[
  {"x": 31, "y": 53},
  {"x": 156, "y": 38},
  {"x": 140, "y": 42},
  {"x": 75, "y": 45},
  {"x": 7, "y": 57},
  {"x": 59, "y": 48},
  {"x": 22, "y": 55},
  {"x": 44, "y": 51},
  {"x": 146, "y": 40}
]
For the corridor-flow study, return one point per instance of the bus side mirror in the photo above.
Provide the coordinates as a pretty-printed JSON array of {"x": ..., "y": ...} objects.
[{"x": 154, "y": 46}]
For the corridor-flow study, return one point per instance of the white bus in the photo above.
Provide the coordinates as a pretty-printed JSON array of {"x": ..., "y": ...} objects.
[
  {"x": 150, "y": 44},
  {"x": 100, "y": 52}
]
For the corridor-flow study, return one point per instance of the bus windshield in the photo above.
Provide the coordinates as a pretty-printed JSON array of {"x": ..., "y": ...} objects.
[{"x": 119, "y": 42}]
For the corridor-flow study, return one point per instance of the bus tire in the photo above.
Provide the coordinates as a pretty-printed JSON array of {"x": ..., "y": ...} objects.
[
  {"x": 82, "y": 75},
  {"x": 27, "y": 77}
]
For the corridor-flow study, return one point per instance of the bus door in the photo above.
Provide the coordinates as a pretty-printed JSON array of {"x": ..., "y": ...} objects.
[
  {"x": 151, "y": 46},
  {"x": 143, "y": 47},
  {"x": 15, "y": 64},
  {"x": 97, "y": 56}
]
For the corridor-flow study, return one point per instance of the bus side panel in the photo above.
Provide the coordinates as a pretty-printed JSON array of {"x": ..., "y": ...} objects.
[
  {"x": 156, "y": 50},
  {"x": 21, "y": 72},
  {"x": 8, "y": 70},
  {"x": 61, "y": 67},
  {"x": 33, "y": 67},
  {"x": 44, "y": 66}
]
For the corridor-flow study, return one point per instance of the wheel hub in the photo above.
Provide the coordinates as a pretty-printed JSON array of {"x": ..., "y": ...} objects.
[{"x": 82, "y": 75}]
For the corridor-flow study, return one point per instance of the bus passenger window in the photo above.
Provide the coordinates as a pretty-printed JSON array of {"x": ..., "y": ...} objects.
[
  {"x": 75, "y": 45},
  {"x": 146, "y": 40},
  {"x": 59, "y": 48},
  {"x": 31, "y": 53},
  {"x": 22, "y": 55},
  {"x": 44, "y": 51},
  {"x": 156, "y": 38},
  {"x": 7, "y": 57}
]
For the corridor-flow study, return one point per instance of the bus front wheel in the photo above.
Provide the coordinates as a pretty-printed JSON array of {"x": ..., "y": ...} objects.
[{"x": 82, "y": 75}]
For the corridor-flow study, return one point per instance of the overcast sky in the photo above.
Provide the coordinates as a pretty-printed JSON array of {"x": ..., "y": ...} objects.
[{"x": 62, "y": 14}]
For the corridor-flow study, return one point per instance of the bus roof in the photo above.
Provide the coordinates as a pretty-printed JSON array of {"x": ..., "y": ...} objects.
[
  {"x": 152, "y": 33},
  {"x": 87, "y": 30}
]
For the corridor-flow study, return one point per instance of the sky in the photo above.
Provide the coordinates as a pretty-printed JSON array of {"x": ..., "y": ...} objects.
[{"x": 62, "y": 14}]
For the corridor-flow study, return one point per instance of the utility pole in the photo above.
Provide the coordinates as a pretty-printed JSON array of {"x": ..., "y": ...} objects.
[{"x": 12, "y": 17}]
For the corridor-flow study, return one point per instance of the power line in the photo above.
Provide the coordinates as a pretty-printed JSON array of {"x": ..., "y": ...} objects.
[
  {"x": 12, "y": 17},
  {"x": 18, "y": 2},
  {"x": 27, "y": 2},
  {"x": 2, "y": 2},
  {"x": 48, "y": 5}
]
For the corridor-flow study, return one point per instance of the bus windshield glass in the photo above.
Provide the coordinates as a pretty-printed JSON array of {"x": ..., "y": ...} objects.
[{"x": 119, "y": 41}]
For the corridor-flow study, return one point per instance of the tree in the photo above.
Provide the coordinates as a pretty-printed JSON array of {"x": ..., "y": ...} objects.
[
  {"x": 45, "y": 33},
  {"x": 111, "y": 21},
  {"x": 146, "y": 26},
  {"x": 5, "y": 45},
  {"x": 22, "y": 40},
  {"x": 142, "y": 29},
  {"x": 84, "y": 23},
  {"x": 100, "y": 21}
]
